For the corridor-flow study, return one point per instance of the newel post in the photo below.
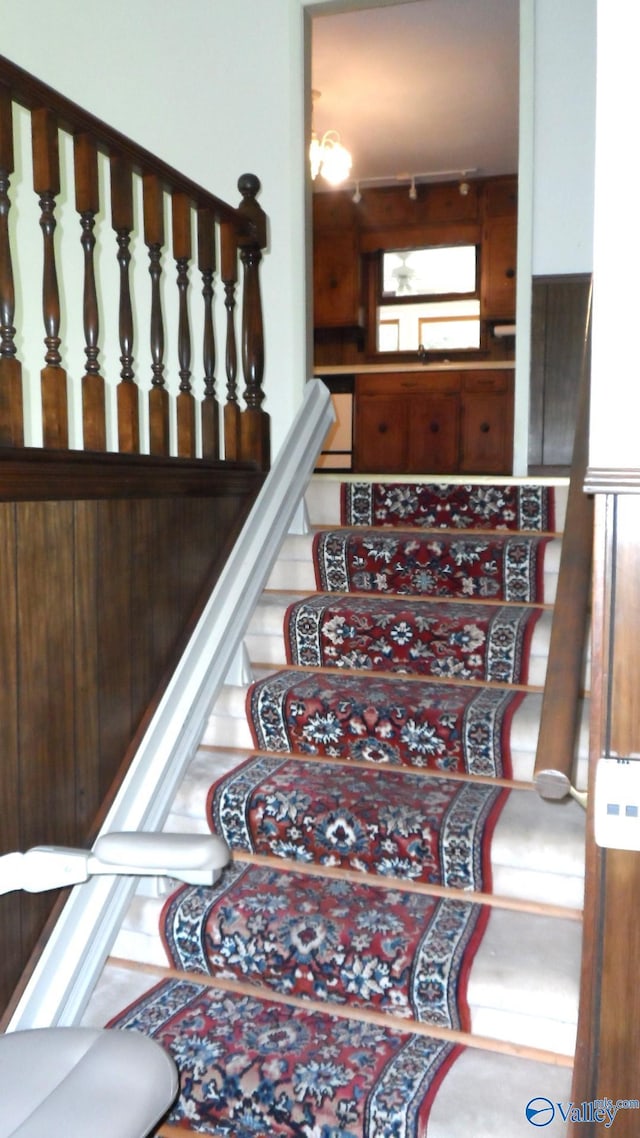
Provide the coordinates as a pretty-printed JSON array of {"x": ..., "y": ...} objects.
[{"x": 254, "y": 423}]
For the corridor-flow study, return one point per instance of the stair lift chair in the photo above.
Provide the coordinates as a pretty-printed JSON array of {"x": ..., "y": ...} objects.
[{"x": 75, "y": 1082}]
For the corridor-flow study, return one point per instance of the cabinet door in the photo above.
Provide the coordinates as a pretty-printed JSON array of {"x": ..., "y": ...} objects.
[
  {"x": 486, "y": 445},
  {"x": 433, "y": 433},
  {"x": 498, "y": 269},
  {"x": 336, "y": 279},
  {"x": 381, "y": 434}
]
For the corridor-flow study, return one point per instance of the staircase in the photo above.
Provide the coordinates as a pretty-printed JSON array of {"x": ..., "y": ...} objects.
[{"x": 395, "y": 948}]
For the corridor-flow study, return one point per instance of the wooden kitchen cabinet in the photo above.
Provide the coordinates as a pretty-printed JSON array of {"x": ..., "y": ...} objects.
[
  {"x": 498, "y": 274},
  {"x": 486, "y": 439},
  {"x": 381, "y": 433},
  {"x": 403, "y": 424},
  {"x": 440, "y": 423},
  {"x": 337, "y": 301}
]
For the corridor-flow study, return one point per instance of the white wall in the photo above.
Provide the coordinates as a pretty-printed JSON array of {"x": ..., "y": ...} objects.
[
  {"x": 564, "y": 136},
  {"x": 615, "y": 388},
  {"x": 215, "y": 86}
]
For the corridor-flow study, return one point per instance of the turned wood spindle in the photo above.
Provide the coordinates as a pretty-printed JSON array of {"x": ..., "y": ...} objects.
[
  {"x": 87, "y": 204},
  {"x": 122, "y": 223},
  {"x": 185, "y": 403},
  {"x": 46, "y": 183},
  {"x": 229, "y": 274},
  {"x": 11, "y": 413},
  {"x": 210, "y": 412},
  {"x": 154, "y": 239}
]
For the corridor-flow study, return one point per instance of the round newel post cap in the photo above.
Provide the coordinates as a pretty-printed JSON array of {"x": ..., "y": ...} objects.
[{"x": 249, "y": 185}]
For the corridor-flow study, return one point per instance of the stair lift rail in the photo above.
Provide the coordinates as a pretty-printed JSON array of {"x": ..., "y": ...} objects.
[{"x": 66, "y": 972}]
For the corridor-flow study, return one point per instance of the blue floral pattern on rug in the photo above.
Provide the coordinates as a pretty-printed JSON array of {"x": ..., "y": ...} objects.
[
  {"x": 384, "y": 720},
  {"x": 394, "y": 823},
  {"x": 251, "y": 1068},
  {"x": 407, "y": 954},
  {"x": 433, "y": 638}
]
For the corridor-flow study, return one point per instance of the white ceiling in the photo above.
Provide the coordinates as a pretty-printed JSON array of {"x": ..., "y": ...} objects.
[{"x": 420, "y": 87}]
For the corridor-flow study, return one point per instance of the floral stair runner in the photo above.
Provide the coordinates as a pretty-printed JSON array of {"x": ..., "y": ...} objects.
[
  {"x": 385, "y": 719},
  {"x": 461, "y": 641},
  {"x": 398, "y": 824},
  {"x": 257, "y": 1069},
  {"x": 320, "y": 989},
  {"x": 496, "y": 567},
  {"x": 433, "y": 505},
  {"x": 403, "y": 953}
]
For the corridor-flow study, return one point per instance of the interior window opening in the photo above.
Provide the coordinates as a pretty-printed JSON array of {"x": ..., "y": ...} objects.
[{"x": 429, "y": 298}]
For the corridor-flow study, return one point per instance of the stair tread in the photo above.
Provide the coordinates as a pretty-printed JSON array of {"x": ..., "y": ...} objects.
[
  {"x": 294, "y": 569},
  {"x": 229, "y": 715},
  {"x": 537, "y": 848},
  {"x": 483, "y": 1092},
  {"x": 522, "y": 982}
]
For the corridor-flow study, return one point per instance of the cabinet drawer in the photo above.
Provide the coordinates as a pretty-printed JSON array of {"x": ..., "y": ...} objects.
[
  {"x": 487, "y": 381},
  {"x": 388, "y": 383}
]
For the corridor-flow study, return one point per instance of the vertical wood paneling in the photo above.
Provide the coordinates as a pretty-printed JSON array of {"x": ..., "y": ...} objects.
[
  {"x": 46, "y": 703},
  {"x": 87, "y": 673},
  {"x": 559, "y": 318},
  {"x": 142, "y": 545},
  {"x": 10, "y": 904},
  {"x": 116, "y": 571},
  {"x": 95, "y": 599},
  {"x": 609, "y": 1031}
]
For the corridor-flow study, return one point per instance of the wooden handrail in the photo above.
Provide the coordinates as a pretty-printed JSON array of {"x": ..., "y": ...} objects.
[
  {"x": 31, "y": 93},
  {"x": 563, "y": 685}
]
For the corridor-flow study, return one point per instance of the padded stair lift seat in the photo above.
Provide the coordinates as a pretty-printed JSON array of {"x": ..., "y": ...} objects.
[{"x": 69, "y": 1082}]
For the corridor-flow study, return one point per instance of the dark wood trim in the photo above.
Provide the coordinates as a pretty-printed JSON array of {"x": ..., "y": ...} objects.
[
  {"x": 32, "y": 474},
  {"x": 609, "y": 1021}
]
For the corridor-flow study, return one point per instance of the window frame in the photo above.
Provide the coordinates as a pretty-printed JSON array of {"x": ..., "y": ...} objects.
[{"x": 376, "y": 298}]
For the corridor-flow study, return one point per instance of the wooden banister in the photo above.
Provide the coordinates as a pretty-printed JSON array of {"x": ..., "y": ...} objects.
[
  {"x": 563, "y": 685},
  {"x": 193, "y": 210},
  {"x": 31, "y": 93}
]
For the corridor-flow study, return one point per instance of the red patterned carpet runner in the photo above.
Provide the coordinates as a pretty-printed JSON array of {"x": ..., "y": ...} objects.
[
  {"x": 252, "y": 1068},
  {"x": 455, "y": 641},
  {"x": 498, "y": 567},
  {"x": 460, "y": 507},
  {"x": 390, "y": 951},
  {"x": 379, "y": 949},
  {"x": 384, "y": 719},
  {"x": 380, "y": 821}
]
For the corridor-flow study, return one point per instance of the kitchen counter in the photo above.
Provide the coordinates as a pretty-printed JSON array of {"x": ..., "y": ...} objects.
[{"x": 386, "y": 369}]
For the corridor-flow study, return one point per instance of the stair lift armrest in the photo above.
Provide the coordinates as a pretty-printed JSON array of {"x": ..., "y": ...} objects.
[{"x": 196, "y": 859}]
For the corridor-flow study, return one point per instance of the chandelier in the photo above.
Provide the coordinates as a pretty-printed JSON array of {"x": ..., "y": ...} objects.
[{"x": 327, "y": 156}]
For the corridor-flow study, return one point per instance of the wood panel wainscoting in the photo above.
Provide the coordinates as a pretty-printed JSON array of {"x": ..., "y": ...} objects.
[
  {"x": 100, "y": 586},
  {"x": 559, "y": 310}
]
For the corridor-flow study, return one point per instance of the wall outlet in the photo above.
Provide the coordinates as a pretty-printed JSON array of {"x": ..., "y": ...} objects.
[{"x": 617, "y": 804}]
